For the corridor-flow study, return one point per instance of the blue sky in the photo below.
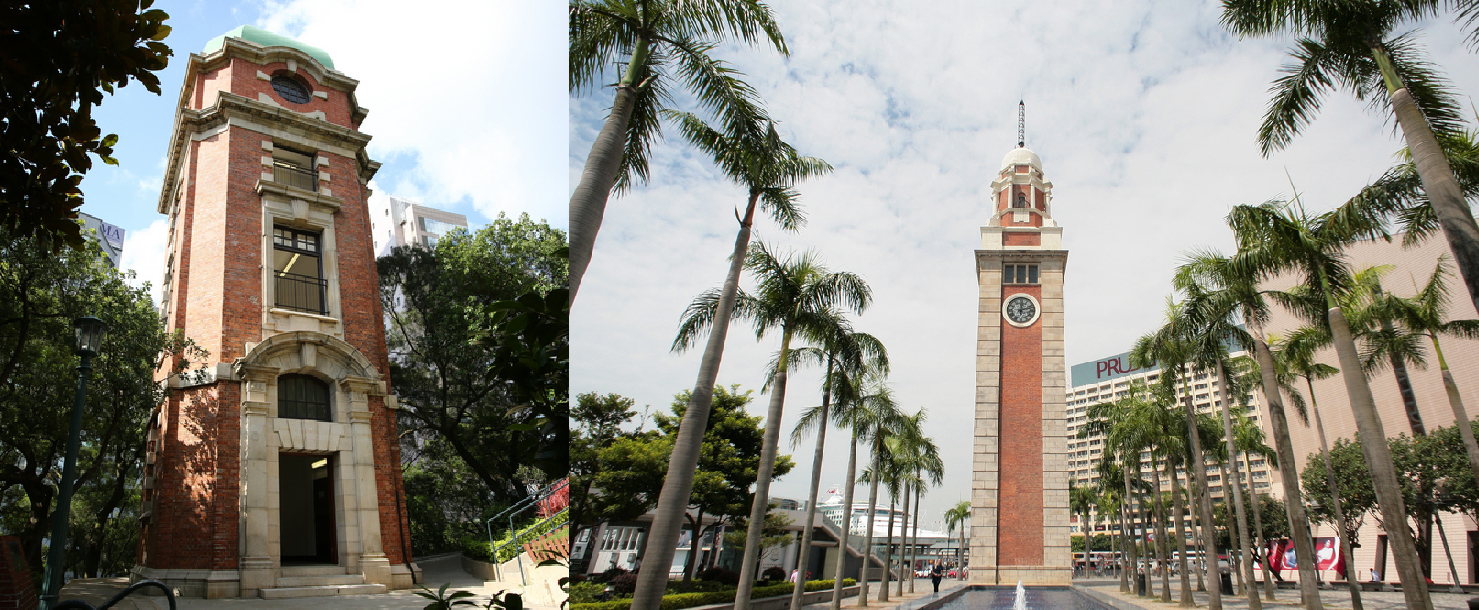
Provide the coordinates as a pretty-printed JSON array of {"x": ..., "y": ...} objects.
[
  {"x": 467, "y": 114},
  {"x": 1144, "y": 114}
]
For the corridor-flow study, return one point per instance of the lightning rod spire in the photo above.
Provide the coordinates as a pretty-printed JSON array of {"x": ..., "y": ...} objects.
[{"x": 1021, "y": 124}]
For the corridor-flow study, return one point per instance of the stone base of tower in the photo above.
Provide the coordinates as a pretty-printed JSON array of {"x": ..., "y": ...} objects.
[
  {"x": 1039, "y": 576},
  {"x": 210, "y": 584}
]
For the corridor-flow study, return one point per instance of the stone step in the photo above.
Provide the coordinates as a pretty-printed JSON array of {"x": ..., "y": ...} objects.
[
  {"x": 320, "y": 591},
  {"x": 324, "y": 570},
  {"x": 314, "y": 581}
]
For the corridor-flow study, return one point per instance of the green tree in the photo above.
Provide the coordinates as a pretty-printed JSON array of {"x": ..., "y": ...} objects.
[
  {"x": 62, "y": 56},
  {"x": 597, "y": 420},
  {"x": 768, "y": 168},
  {"x": 479, "y": 351},
  {"x": 41, "y": 293},
  {"x": 728, "y": 463},
  {"x": 1352, "y": 46},
  {"x": 865, "y": 405},
  {"x": 660, "y": 42},
  {"x": 874, "y": 420},
  {"x": 800, "y": 298}
]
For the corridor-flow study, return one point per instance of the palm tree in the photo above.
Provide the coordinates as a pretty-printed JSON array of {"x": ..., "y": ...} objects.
[
  {"x": 800, "y": 297},
  {"x": 1249, "y": 442},
  {"x": 845, "y": 353},
  {"x": 1169, "y": 347},
  {"x": 1080, "y": 501},
  {"x": 1424, "y": 312},
  {"x": 1209, "y": 321},
  {"x": 661, "y": 41},
  {"x": 1349, "y": 45},
  {"x": 1295, "y": 356},
  {"x": 1276, "y": 237},
  {"x": 959, "y": 517},
  {"x": 919, "y": 460},
  {"x": 758, "y": 159},
  {"x": 1125, "y": 437},
  {"x": 873, "y": 419},
  {"x": 866, "y": 392}
]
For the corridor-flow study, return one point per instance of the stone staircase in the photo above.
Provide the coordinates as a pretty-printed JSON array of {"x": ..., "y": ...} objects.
[{"x": 318, "y": 581}]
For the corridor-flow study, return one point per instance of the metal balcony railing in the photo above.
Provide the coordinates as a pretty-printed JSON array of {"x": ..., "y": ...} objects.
[
  {"x": 292, "y": 174},
  {"x": 301, "y": 293}
]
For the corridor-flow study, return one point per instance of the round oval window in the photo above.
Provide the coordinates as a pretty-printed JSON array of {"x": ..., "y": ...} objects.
[{"x": 290, "y": 89}]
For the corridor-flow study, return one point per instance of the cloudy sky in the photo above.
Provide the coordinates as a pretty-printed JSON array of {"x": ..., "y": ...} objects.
[
  {"x": 466, "y": 106},
  {"x": 1145, "y": 116}
]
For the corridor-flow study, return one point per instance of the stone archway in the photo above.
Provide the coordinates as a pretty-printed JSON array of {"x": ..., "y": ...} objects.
[{"x": 346, "y": 438}]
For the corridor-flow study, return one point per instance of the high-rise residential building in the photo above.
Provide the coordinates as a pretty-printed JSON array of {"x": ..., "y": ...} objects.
[
  {"x": 108, "y": 236},
  {"x": 274, "y": 469},
  {"x": 401, "y": 222}
]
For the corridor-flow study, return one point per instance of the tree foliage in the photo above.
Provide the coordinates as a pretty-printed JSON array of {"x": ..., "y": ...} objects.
[
  {"x": 41, "y": 293},
  {"x": 479, "y": 344},
  {"x": 60, "y": 56}
]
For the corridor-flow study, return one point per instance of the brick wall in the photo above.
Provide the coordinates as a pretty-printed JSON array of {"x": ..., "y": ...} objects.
[
  {"x": 1020, "y": 520},
  {"x": 197, "y": 483}
]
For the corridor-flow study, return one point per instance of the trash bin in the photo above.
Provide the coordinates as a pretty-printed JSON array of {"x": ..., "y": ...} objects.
[
  {"x": 1140, "y": 584},
  {"x": 1227, "y": 584}
]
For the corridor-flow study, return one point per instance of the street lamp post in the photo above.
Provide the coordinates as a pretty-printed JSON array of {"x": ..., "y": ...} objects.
[{"x": 89, "y": 332}]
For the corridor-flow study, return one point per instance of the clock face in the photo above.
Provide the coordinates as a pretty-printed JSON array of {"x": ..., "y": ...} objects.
[{"x": 1021, "y": 310}]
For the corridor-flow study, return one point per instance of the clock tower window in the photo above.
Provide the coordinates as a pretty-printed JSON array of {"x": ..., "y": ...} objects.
[{"x": 1018, "y": 274}]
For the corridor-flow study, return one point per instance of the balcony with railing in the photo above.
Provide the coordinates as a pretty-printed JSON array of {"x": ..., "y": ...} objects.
[
  {"x": 287, "y": 173},
  {"x": 301, "y": 293}
]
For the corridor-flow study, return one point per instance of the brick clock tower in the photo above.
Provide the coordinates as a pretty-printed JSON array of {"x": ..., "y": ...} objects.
[
  {"x": 1019, "y": 497},
  {"x": 273, "y": 466}
]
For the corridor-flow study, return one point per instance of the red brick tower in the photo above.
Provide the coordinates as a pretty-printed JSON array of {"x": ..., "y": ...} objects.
[
  {"x": 1019, "y": 497},
  {"x": 273, "y": 464}
]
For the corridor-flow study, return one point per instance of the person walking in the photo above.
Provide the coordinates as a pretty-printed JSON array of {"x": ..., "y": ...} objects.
[{"x": 936, "y": 573}]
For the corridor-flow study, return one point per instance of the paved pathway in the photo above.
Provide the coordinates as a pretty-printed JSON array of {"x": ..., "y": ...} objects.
[
  {"x": 436, "y": 571},
  {"x": 1285, "y": 599},
  {"x": 923, "y": 595}
]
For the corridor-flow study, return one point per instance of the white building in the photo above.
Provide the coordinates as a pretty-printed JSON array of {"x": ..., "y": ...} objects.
[{"x": 395, "y": 221}]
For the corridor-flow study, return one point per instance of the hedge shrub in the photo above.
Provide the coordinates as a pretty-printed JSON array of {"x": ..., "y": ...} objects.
[{"x": 679, "y": 601}]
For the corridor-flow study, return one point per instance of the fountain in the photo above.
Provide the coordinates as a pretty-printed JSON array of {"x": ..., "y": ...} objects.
[{"x": 1021, "y": 603}]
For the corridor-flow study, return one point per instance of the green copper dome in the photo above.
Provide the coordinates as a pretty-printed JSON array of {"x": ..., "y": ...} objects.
[{"x": 268, "y": 39}]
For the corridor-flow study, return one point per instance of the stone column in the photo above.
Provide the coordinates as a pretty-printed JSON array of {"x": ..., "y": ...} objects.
[
  {"x": 373, "y": 564},
  {"x": 257, "y": 566}
]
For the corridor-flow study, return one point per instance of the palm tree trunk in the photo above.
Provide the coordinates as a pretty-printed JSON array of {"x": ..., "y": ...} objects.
[
  {"x": 1179, "y": 514},
  {"x": 914, "y": 547},
  {"x": 868, "y": 536},
  {"x": 1163, "y": 555},
  {"x": 1303, "y": 546},
  {"x": 1421, "y": 513},
  {"x": 588, "y": 202},
  {"x": 1460, "y": 416},
  {"x": 1199, "y": 468},
  {"x": 1199, "y": 536},
  {"x": 1379, "y": 460},
  {"x": 960, "y": 563},
  {"x": 761, "y": 503},
  {"x": 847, "y": 497},
  {"x": 1230, "y": 486},
  {"x": 1234, "y": 488},
  {"x": 1345, "y": 539},
  {"x": 904, "y": 543},
  {"x": 1438, "y": 182},
  {"x": 1124, "y": 546},
  {"x": 811, "y": 502},
  {"x": 888, "y": 551},
  {"x": 1448, "y": 552},
  {"x": 1134, "y": 549},
  {"x": 677, "y": 487},
  {"x": 1268, "y": 582}
]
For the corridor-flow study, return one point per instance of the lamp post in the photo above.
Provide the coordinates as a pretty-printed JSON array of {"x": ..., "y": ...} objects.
[{"x": 89, "y": 332}]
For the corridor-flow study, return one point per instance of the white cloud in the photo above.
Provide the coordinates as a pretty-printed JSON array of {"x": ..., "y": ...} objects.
[
  {"x": 144, "y": 252},
  {"x": 1145, "y": 115},
  {"x": 473, "y": 92}
]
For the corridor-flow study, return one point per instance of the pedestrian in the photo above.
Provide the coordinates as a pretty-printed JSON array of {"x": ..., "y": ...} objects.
[
  {"x": 794, "y": 575},
  {"x": 936, "y": 574}
]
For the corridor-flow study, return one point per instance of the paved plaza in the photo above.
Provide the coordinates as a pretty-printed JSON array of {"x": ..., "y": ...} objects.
[
  {"x": 437, "y": 570},
  {"x": 1334, "y": 599}
]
